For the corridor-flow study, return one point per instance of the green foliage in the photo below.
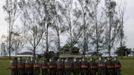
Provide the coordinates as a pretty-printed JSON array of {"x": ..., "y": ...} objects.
[
  {"x": 123, "y": 51},
  {"x": 66, "y": 49}
]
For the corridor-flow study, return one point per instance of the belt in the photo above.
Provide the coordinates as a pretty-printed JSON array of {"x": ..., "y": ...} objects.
[
  {"x": 67, "y": 66},
  {"x": 52, "y": 66},
  {"x": 13, "y": 66},
  {"x": 93, "y": 67},
  {"x": 84, "y": 66},
  {"x": 60, "y": 67},
  {"x": 20, "y": 66},
  {"x": 117, "y": 66},
  {"x": 110, "y": 66},
  {"x": 28, "y": 66},
  {"x": 101, "y": 65}
]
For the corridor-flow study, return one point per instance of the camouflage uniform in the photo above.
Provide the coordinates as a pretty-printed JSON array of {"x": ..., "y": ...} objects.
[
  {"x": 76, "y": 67},
  {"x": 117, "y": 67},
  {"x": 13, "y": 67},
  {"x": 101, "y": 67},
  {"x": 109, "y": 66},
  {"x": 28, "y": 67},
  {"x": 84, "y": 67},
  {"x": 52, "y": 67},
  {"x": 93, "y": 67},
  {"x": 60, "y": 67},
  {"x": 45, "y": 67},
  {"x": 21, "y": 66},
  {"x": 36, "y": 68},
  {"x": 68, "y": 67}
]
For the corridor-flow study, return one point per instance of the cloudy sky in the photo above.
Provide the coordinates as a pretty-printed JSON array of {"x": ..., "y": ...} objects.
[{"x": 129, "y": 21}]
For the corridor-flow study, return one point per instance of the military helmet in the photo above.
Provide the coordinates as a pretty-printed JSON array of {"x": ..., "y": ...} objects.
[
  {"x": 74, "y": 59},
  {"x": 100, "y": 58},
  {"x": 115, "y": 58}
]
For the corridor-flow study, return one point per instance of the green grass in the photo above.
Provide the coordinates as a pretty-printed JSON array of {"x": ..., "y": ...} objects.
[
  {"x": 127, "y": 66},
  {"x": 4, "y": 67}
]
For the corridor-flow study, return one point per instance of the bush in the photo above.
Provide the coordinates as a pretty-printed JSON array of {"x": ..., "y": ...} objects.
[{"x": 123, "y": 51}]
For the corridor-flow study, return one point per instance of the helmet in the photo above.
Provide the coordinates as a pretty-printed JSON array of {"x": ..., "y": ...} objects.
[
  {"x": 50, "y": 60},
  {"x": 58, "y": 60},
  {"x": 91, "y": 59},
  {"x": 74, "y": 59},
  {"x": 115, "y": 58},
  {"x": 83, "y": 59},
  {"x": 100, "y": 58}
]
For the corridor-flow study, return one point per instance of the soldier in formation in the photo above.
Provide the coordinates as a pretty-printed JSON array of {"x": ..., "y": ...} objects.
[
  {"x": 60, "y": 67},
  {"x": 93, "y": 66},
  {"x": 84, "y": 67},
  {"x": 36, "y": 68},
  {"x": 28, "y": 67},
  {"x": 44, "y": 67},
  {"x": 101, "y": 66},
  {"x": 13, "y": 66},
  {"x": 76, "y": 67},
  {"x": 107, "y": 66},
  {"x": 117, "y": 66},
  {"x": 68, "y": 67},
  {"x": 52, "y": 67}
]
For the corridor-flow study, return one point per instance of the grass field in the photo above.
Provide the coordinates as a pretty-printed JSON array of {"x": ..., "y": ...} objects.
[{"x": 127, "y": 66}]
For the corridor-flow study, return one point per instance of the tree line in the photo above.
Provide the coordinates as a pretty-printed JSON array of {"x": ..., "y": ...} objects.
[{"x": 50, "y": 24}]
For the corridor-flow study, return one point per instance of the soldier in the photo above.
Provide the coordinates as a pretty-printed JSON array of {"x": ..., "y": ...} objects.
[
  {"x": 36, "y": 68},
  {"x": 109, "y": 66},
  {"x": 93, "y": 67},
  {"x": 84, "y": 67},
  {"x": 45, "y": 67},
  {"x": 52, "y": 67},
  {"x": 21, "y": 66},
  {"x": 101, "y": 67},
  {"x": 68, "y": 67},
  {"x": 13, "y": 66},
  {"x": 60, "y": 67},
  {"x": 117, "y": 66},
  {"x": 28, "y": 67},
  {"x": 76, "y": 67}
]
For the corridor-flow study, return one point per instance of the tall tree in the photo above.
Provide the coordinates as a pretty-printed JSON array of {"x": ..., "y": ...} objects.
[
  {"x": 71, "y": 15},
  {"x": 113, "y": 25},
  {"x": 12, "y": 11},
  {"x": 32, "y": 18}
]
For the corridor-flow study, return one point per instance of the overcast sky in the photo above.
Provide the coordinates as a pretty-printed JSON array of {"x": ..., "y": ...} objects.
[{"x": 129, "y": 23}]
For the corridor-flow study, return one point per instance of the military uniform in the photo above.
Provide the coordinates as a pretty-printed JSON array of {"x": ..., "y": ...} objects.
[
  {"x": 84, "y": 67},
  {"x": 21, "y": 66},
  {"x": 93, "y": 67},
  {"x": 101, "y": 67},
  {"x": 76, "y": 67},
  {"x": 60, "y": 67},
  {"x": 109, "y": 66},
  {"x": 36, "y": 68},
  {"x": 28, "y": 67},
  {"x": 13, "y": 66},
  {"x": 68, "y": 67},
  {"x": 117, "y": 67},
  {"x": 52, "y": 67},
  {"x": 45, "y": 67}
]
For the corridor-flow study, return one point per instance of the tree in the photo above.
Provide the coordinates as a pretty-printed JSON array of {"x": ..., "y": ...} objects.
[
  {"x": 121, "y": 12},
  {"x": 12, "y": 10},
  {"x": 72, "y": 21},
  {"x": 93, "y": 24},
  {"x": 112, "y": 25},
  {"x": 123, "y": 51},
  {"x": 3, "y": 50},
  {"x": 58, "y": 24},
  {"x": 32, "y": 20}
]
